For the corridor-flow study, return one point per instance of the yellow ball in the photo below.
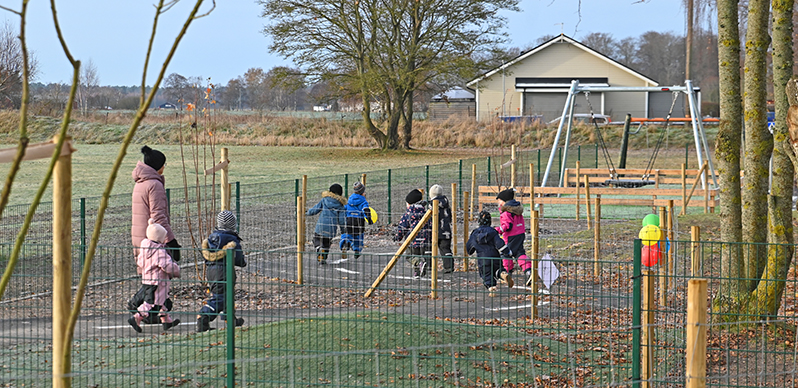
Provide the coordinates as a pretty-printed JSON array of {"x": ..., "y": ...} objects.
[
  {"x": 650, "y": 234},
  {"x": 373, "y": 216}
]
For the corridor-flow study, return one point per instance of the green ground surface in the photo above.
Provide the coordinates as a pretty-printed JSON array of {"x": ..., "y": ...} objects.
[{"x": 335, "y": 349}]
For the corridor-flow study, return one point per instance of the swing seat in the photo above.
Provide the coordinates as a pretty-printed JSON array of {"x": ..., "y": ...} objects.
[{"x": 628, "y": 183}]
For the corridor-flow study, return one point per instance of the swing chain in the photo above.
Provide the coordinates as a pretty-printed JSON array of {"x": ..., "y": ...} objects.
[{"x": 600, "y": 140}]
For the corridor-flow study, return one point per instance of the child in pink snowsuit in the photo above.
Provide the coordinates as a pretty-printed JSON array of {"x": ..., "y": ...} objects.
[
  {"x": 512, "y": 228},
  {"x": 157, "y": 268}
]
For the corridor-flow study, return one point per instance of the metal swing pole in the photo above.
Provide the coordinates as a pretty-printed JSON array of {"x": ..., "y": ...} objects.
[
  {"x": 567, "y": 141},
  {"x": 697, "y": 123},
  {"x": 571, "y": 92}
]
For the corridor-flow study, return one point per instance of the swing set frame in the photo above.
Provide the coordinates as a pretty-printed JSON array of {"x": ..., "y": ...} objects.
[{"x": 701, "y": 147}]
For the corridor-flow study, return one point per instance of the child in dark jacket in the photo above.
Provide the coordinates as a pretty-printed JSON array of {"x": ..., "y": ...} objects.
[
  {"x": 513, "y": 230},
  {"x": 486, "y": 243},
  {"x": 444, "y": 227},
  {"x": 156, "y": 268},
  {"x": 214, "y": 250},
  {"x": 357, "y": 214},
  {"x": 419, "y": 249},
  {"x": 332, "y": 218}
]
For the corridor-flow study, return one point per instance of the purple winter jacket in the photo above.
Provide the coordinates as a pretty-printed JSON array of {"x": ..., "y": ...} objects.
[{"x": 149, "y": 201}]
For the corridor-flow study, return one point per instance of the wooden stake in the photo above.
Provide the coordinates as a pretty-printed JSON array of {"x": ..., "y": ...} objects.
[
  {"x": 300, "y": 238},
  {"x": 62, "y": 265},
  {"x": 535, "y": 230},
  {"x": 454, "y": 219},
  {"x": 435, "y": 231},
  {"x": 663, "y": 268},
  {"x": 669, "y": 256},
  {"x": 696, "y": 334},
  {"x": 512, "y": 166},
  {"x": 577, "y": 193},
  {"x": 695, "y": 253},
  {"x": 466, "y": 217},
  {"x": 409, "y": 239},
  {"x": 597, "y": 240},
  {"x": 692, "y": 190},
  {"x": 684, "y": 188},
  {"x": 706, "y": 192},
  {"x": 225, "y": 184},
  {"x": 647, "y": 322},
  {"x": 473, "y": 190},
  {"x": 587, "y": 199},
  {"x": 531, "y": 188},
  {"x": 363, "y": 179}
]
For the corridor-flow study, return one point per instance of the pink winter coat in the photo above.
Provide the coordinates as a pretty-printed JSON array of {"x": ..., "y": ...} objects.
[
  {"x": 155, "y": 265},
  {"x": 149, "y": 201}
]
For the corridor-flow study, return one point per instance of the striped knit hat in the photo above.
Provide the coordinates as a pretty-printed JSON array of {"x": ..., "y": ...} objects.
[{"x": 226, "y": 220}]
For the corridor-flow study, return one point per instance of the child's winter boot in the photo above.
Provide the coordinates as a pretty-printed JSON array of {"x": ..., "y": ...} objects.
[
  {"x": 168, "y": 322},
  {"x": 135, "y": 322},
  {"x": 203, "y": 323},
  {"x": 492, "y": 291},
  {"x": 528, "y": 274}
]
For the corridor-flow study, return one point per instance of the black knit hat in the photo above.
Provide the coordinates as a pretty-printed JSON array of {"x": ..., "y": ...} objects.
[
  {"x": 506, "y": 195},
  {"x": 153, "y": 158},
  {"x": 414, "y": 196},
  {"x": 336, "y": 189},
  {"x": 484, "y": 218}
]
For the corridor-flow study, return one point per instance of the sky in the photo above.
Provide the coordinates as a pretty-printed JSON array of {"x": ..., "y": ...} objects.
[{"x": 114, "y": 34}]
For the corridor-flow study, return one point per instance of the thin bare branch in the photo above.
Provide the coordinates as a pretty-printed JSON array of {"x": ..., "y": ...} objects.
[
  {"x": 158, "y": 12},
  {"x": 4, "y": 8}
]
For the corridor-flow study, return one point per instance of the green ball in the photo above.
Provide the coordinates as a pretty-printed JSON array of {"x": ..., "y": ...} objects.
[{"x": 651, "y": 219}]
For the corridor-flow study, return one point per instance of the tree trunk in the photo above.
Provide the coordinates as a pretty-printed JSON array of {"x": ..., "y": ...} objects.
[
  {"x": 780, "y": 223},
  {"x": 407, "y": 131},
  {"x": 727, "y": 152},
  {"x": 767, "y": 295},
  {"x": 758, "y": 141}
]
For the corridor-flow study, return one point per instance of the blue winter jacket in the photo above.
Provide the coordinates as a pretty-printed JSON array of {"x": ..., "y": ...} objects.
[
  {"x": 486, "y": 242},
  {"x": 356, "y": 205},
  {"x": 333, "y": 214},
  {"x": 215, "y": 246}
]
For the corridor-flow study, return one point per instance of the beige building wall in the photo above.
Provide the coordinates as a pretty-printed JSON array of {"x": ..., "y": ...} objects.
[{"x": 497, "y": 96}]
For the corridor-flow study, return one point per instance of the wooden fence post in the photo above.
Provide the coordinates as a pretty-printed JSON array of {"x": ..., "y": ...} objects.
[
  {"x": 466, "y": 218},
  {"x": 435, "y": 231},
  {"x": 696, "y": 334},
  {"x": 597, "y": 240},
  {"x": 300, "y": 238},
  {"x": 695, "y": 253},
  {"x": 587, "y": 198},
  {"x": 62, "y": 263},
  {"x": 577, "y": 194},
  {"x": 512, "y": 166},
  {"x": 647, "y": 322},
  {"x": 663, "y": 266},
  {"x": 454, "y": 219},
  {"x": 535, "y": 230},
  {"x": 473, "y": 190},
  {"x": 225, "y": 180}
]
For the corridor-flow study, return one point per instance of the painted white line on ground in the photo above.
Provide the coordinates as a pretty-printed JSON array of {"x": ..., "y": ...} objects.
[
  {"x": 142, "y": 326},
  {"x": 425, "y": 279},
  {"x": 339, "y": 261},
  {"x": 526, "y": 306},
  {"x": 345, "y": 270},
  {"x": 540, "y": 292}
]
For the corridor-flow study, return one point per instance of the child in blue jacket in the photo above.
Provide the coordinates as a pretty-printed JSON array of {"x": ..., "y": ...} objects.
[
  {"x": 420, "y": 247},
  {"x": 489, "y": 247},
  {"x": 332, "y": 218},
  {"x": 357, "y": 214},
  {"x": 214, "y": 250}
]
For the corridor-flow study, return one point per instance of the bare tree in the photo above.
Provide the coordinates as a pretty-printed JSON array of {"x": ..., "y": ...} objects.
[
  {"x": 11, "y": 66},
  {"x": 176, "y": 89},
  {"x": 89, "y": 83},
  {"x": 601, "y": 42},
  {"x": 257, "y": 88}
]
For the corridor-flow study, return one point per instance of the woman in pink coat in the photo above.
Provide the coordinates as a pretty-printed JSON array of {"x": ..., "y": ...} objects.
[
  {"x": 156, "y": 268},
  {"x": 149, "y": 200}
]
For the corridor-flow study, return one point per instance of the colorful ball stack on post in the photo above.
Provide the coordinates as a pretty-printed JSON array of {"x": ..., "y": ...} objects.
[{"x": 650, "y": 235}]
